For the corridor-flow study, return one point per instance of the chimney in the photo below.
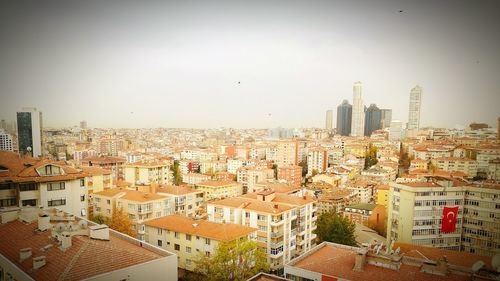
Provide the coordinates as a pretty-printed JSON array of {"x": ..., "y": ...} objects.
[
  {"x": 99, "y": 232},
  {"x": 65, "y": 240},
  {"x": 38, "y": 262},
  {"x": 44, "y": 221},
  {"x": 360, "y": 260},
  {"x": 24, "y": 254}
]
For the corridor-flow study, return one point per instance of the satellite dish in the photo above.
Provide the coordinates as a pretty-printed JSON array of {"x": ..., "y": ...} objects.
[
  {"x": 495, "y": 262},
  {"x": 477, "y": 266},
  {"x": 28, "y": 148}
]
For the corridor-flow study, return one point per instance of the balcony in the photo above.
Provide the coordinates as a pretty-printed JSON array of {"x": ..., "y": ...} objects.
[
  {"x": 293, "y": 232},
  {"x": 140, "y": 232},
  {"x": 315, "y": 218},
  {"x": 313, "y": 236},
  {"x": 275, "y": 255},
  {"x": 277, "y": 222},
  {"x": 276, "y": 234},
  {"x": 144, "y": 211},
  {"x": 301, "y": 241},
  {"x": 276, "y": 244}
]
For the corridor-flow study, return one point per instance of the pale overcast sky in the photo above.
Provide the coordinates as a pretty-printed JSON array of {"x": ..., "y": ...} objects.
[{"x": 178, "y": 63}]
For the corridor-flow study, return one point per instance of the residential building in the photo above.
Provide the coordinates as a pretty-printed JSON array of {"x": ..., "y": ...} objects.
[
  {"x": 6, "y": 141},
  {"x": 385, "y": 118},
  {"x": 79, "y": 155},
  {"x": 414, "y": 110},
  {"x": 138, "y": 206},
  {"x": 382, "y": 193},
  {"x": 291, "y": 174},
  {"x": 115, "y": 164},
  {"x": 373, "y": 117},
  {"x": 363, "y": 190},
  {"x": 455, "y": 164},
  {"x": 358, "y": 114},
  {"x": 371, "y": 215},
  {"x": 184, "y": 199},
  {"x": 285, "y": 223},
  {"x": 330, "y": 261},
  {"x": 335, "y": 201},
  {"x": 416, "y": 211},
  {"x": 286, "y": 153},
  {"x": 188, "y": 238},
  {"x": 194, "y": 178},
  {"x": 395, "y": 130},
  {"x": 219, "y": 189},
  {"x": 316, "y": 161},
  {"x": 29, "y": 131},
  {"x": 42, "y": 183},
  {"x": 61, "y": 246},
  {"x": 111, "y": 146},
  {"x": 344, "y": 118},
  {"x": 83, "y": 125},
  {"x": 329, "y": 120},
  {"x": 148, "y": 172},
  {"x": 248, "y": 177}
]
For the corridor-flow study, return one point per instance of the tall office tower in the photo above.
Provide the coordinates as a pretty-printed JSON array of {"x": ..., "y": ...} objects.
[
  {"x": 83, "y": 125},
  {"x": 29, "y": 131},
  {"x": 358, "y": 114},
  {"x": 385, "y": 118},
  {"x": 329, "y": 119},
  {"x": 5, "y": 141},
  {"x": 372, "y": 119},
  {"x": 344, "y": 118},
  {"x": 414, "y": 111},
  {"x": 395, "y": 130}
]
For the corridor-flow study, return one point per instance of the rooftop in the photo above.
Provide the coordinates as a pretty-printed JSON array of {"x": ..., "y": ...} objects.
[
  {"x": 203, "y": 228},
  {"x": 176, "y": 189},
  {"x": 212, "y": 183}
]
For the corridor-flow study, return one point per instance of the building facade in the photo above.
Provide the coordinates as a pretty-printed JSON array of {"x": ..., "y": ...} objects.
[
  {"x": 344, "y": 118},
  {"x": 414, "y": 110},
  {"x": 29, "y": 131},
  {"x": 373, "y": 119},
  {"x": 358, "y": 111}
]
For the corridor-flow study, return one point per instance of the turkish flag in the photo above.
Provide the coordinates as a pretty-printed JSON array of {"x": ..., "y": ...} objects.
[{"x": 449, "y": 219}]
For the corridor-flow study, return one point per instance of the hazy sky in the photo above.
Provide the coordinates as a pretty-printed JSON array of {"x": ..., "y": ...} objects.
[{"x": 177, "y": 64}]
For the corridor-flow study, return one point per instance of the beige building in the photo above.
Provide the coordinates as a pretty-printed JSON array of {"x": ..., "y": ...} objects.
[
  {"x": 189, "y": 238},
  {"x": 139, "y": 206},
  {"x": 335, "y": 201},
  {"x": 286, "y": 153},
  {"x": 146, "y": 173},
  {"x": 194, "y": 178},
  {"x": 184, "y": 199},
  {"x": 285, "y": 223},
  {"x": 416, "y": 210},
  {"x": 454, "y": 164},
  {"x": 248, "y": 177},
  {"x": 219, "y": 189},
  {"x": 316, "y": 161}
]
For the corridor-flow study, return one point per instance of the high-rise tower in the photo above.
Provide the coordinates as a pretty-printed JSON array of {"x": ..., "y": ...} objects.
[
  {"x": 372, "y": 119},
  {"x": 329, "y": 119},
  {"x": 29, "y": 131},
  {"x": 358, "y": 111},
  {"x": 414, "y": 111},
  {"x": 344, "y": 118}
]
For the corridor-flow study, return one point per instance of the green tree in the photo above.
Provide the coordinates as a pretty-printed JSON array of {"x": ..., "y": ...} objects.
[
  {"x": 177, "y": 173},
  {"x": 236, "y": 260},
  {"x": 371, "y": 157},
  {"x": 335, "y": 228},
  {"x": 100, "y": 219}
]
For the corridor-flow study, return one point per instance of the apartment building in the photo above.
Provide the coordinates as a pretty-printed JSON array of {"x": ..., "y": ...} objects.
[
  {"x": 370, "y": 215},
  {"x": 335, "y": 201},
  {"x": 415, "y": 214},
  {"x": 248, "y": 177},
  {"x": 285, "y": 223},
  {"x": 316, "y": 161},
  {"x": 286, "y": 153},
  {"x": 291, "y": 174},
  {"x": 139, "y": 206},
  {"x": 188, "y": 238},
  {"x": 184, "y": 199},
  {"x": 213, "y": 167},
  {"x": 97, "y": 179},
  {"x": 455, "y": 164},
  {"x": 115, "y": 164},
  {"x": 111, "y": 146},
  {"x": 382, "y": 195},
  {"x": 234, "y": 164},
  {"x": 194, "y": 178},
  {"x": 219, "y": 189},
  {"x": 363, "y": 190},
  {"x": 6, "y": 141},
  {"x": 54, "y": 245},
  {"x": 147, "y": 173},
  {"x": 44, "y": 183}
]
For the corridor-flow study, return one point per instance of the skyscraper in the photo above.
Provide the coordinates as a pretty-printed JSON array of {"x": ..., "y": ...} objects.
[
  {"x": 29, "y": 131},
  {"x": 358, "y": 114},
  {"x": 329, "y": 119},
  {"x": 344, "y": 118},
  {"x": 414, "y": 111},
  {"x": 372, "y": 119},
  {"x": 83, "y": 125},
  {"x": 395, "y": 130},
  {"x": 385, "y": 118}
]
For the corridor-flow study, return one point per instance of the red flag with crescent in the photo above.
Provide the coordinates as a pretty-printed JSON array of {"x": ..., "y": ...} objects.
[{"x": 449, "y": 219}]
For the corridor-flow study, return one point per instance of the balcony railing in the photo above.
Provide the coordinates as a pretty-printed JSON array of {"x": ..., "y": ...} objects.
[
  {"x": 277, "y": 222},
  {"x": 276, "y": 234}
]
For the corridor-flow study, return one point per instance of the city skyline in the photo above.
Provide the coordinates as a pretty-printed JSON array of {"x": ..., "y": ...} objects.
[{"x": 90, "y": 61}]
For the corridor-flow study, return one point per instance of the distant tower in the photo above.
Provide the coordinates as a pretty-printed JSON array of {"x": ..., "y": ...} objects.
[
  {"x": 385, "y": 118},
  {"x": 329, "y": 119},
  {"x": 372, "y": 119},
  {"x": 414, "y": 111},
  {"x": 395, "y": 130},
  {"x": 498, "y": 129},
  {"x": 29, "y": 131},
  {"x": 358, "y": 114},
  {"x": 344, "y": 118},
  {"x": 83, "y": 125}
]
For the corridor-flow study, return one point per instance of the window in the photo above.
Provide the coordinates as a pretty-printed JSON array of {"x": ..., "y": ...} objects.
[
  {"x": 188, "y": 262},
  {"x": 97, "y": 209},
  {"x": 188, "y": 237},
  {"x": 159, "y": 231},
  {"x": 177, "y": 247},
  {"x": 188, "y": 249},
  {"x": 30, "y": 202},
  {"x": 108, "y": 211},
  {"x": 55, "y": 186},
  {"x": 82, "y": 182},
  {"x": 261, "y": 217},
  {"x": 82, "y": 197},
  {"x": 207, "y": 241},
  {"x": 97, "y": 200},
  {"x": 207, "y": 253},
  {"x": 56, "y": 202},
  {"x": 160, "y": 243},
  {"x": 108, "y": 202},
  {"x": 27, "y": 187},
  {"x": 176, "y": 235}
]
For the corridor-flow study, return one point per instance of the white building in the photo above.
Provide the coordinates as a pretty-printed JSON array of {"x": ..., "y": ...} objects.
[
  {"x": 358, "y": 111},
  {"x": 414, "y": 111},
  {"x": 329, "y": 119},
  {"x": 5, "y": 141},
  {"x": 395, "y": 130}
]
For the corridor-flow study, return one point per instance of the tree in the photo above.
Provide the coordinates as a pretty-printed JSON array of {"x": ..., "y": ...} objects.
[
  {"x": 177, "y": 173},
  {"x": 100, "y": 219},
  {"x": 335, "y": 228},
  {"x": 121, "y": 222},
  {"x": 314, "y": 172},
  {"x": 236, "y": 260},
  {"x": 432, "y": 167},
  {"x": 303, "y": 164},
  {"x": 275, "y": 168},
  {"x": 371, "y": 157}
]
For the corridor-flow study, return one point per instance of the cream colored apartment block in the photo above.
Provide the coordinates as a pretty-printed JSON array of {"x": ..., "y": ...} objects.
[
  {"x": 184, "y": 199},
  {"x": 147, "y": 173},
  {"x": 219, "y": 189},
  {"x": 453, "y": 164},
  {"x": 284, "y": 223},
  {"x": 190, "y": 239}
]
